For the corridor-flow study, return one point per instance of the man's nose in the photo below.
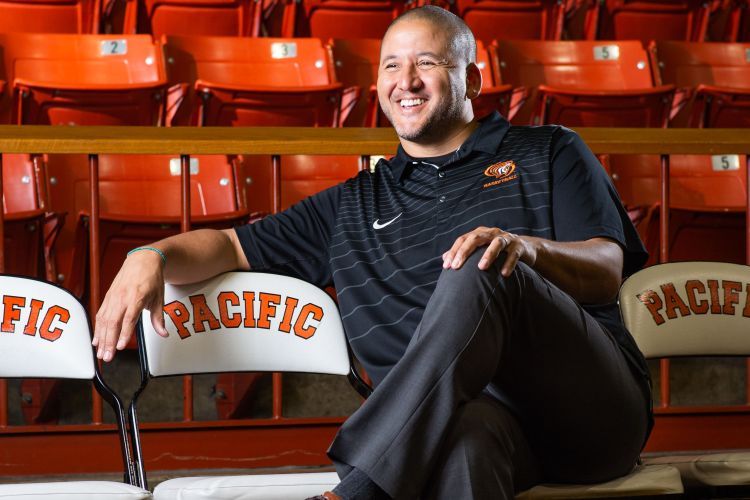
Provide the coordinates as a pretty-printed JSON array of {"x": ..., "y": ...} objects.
[{"x": 408, "y": 78}]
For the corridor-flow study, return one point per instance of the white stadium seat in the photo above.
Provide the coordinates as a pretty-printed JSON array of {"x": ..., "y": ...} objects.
[
  {"x": 693, "y": 309},
  {"x": 46, "y": 334},
  {"x": 295, "y": 327}
]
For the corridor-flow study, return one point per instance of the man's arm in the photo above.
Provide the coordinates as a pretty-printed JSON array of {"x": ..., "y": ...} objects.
[
  {"x": 589, "y": 271},
  {"x": 190, "y": 257}
]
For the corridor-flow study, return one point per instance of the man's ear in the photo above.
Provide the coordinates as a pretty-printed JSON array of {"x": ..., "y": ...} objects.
[{"x": 473, "y": 81}]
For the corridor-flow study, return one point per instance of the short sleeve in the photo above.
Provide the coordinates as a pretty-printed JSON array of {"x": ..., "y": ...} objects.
[
  {"x": 585, "y": 204},
  {"x": 294, "y": 242}
]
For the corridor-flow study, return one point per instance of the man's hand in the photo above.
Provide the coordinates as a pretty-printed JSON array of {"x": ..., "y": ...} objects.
[
  {"x": 138, "y": 285},
  {"x": 523, "y": 248}
]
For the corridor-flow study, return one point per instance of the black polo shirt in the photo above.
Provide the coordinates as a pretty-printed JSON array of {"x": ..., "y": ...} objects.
[{"x": 378, "y": 238}]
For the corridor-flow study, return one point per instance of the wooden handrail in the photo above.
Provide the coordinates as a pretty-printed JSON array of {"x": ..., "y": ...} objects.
[{"x": 356, "y": 141}]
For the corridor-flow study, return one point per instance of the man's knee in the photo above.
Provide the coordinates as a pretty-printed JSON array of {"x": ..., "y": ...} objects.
[{"x": 469, "y": 273}]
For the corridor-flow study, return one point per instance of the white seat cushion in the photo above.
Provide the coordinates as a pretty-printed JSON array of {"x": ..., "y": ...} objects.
[
  {"x": 643, "y": 481},
  {"x": 250, "y": 487},
  {"x": 713, "y": 469},
  {"x": 73, "y": 490}
]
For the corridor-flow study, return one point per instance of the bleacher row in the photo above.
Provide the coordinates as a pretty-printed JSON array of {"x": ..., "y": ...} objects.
[{"x": 687, "y": 20}]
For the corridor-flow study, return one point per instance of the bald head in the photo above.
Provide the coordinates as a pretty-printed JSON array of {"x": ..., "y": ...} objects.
[{"x": 461, "y": 38}]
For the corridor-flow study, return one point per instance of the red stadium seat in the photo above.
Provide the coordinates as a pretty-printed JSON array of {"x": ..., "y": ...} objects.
[
  {"x": 139, "y": 202},
  {"x": 714, "y": 78},
  {"x": 357, "y": 61},
  {"x": 49, "y": 16},
  {"x": 86, "y": 79},
  {"x": 263, "y": 81},
  {"x": 292, "y": 84},
  {"x": 646, "y": 20},
  {"x": 513, "y": 19},
  {"x": 193, "y": 17},
  {"x": 340, "y": 18},
  {"x": 24, "y": 220},
  {"x": 585, "y": 83},
  {"x": 708, "y": 194}
]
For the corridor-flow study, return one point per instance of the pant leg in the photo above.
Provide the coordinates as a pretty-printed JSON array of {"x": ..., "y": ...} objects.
[
  {"x": 522, "y": 334},
  {"x": 485, "y": 456}
]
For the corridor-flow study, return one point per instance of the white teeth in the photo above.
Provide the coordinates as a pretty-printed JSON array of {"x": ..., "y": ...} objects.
[{"x": 408, "y": 103}]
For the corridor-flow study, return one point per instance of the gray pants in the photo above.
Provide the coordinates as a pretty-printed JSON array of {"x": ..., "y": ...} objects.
[{"x": 573, "y": 410}]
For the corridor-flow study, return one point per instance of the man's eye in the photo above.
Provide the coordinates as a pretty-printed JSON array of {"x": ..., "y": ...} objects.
[
  {"x": 390, "y": 66},
  {"x": 426, "y": 63}
]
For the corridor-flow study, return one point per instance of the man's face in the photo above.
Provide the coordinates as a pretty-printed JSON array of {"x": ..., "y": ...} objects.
[{"x": 422, "y": 82}]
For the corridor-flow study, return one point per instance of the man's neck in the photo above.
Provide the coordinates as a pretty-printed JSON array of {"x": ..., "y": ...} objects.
[{"x": 438, "y": 148}]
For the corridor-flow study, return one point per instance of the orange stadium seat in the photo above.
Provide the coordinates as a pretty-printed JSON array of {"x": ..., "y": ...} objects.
[
  {"x": 714, "y": 79},
  {"x": 24, "y": 220},
  {"x": 646, "y": 20},
  {"x": 356, "y": 62},
  {"x": 49, "y": 16},
  {"x": 585, "y": 83},
  {"x": 292, "y": 84},
  {"x": 707, "y": 193},
  {"x": 86, "y": 79},
  {"x": 513, "y": 19},
  {"x": 340, "y": 18},
  {"x": 193, "y": 17},
  {"x": 140, "y": 202},
  {"x": 63, "y": 352}
]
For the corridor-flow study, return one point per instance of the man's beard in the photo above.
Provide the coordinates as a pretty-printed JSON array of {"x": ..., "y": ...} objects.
[{"x": 434, "y": 126}]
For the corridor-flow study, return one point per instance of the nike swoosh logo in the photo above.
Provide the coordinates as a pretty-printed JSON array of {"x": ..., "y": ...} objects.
[{"x": 378, "y": 225}]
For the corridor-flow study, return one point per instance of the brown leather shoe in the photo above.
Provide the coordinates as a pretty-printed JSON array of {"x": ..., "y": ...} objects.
[{"x": 326, "y": 496}]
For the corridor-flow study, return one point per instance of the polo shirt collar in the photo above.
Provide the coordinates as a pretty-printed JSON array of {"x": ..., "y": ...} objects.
[{"x": 486, "y": 139}]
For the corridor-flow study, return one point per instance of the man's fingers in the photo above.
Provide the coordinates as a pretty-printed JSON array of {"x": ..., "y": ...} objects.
[
  {"x": 127, "y": 329},
  {"x": 451, "y": 254},
  {"x": 514, "y": 251},
  {"x": 473, "y": 240},
  {"x": 493, "y": 250},
  {"x": 106, "y": 346},
  {"x": 157, "y": 316}
]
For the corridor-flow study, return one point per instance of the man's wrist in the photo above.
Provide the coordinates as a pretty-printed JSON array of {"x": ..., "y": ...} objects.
[{"x": 152, "y": 250}]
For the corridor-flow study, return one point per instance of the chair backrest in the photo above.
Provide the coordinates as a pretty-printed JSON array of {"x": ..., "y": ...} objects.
[
  {"x": 689, "y": 309},
  {"x": 49, "y": 16},
  {"x": 45, "y": 332},
  {"x": 717, "y": 75},
  {"x": 689, "y": 64},
  {"x": 246, "y": 322},
  {"x": 513, "y": 19},
  {"x": 255, "y": 81},
  {"x": 340, "y": 18},
  {"x": 193, "y": 17},
  {"x": 583, "y": 65},
  {"x": 356, "y": 62},
  {"x": 647, "y": 20},
  {"x": 576, "y": 67},
  {"x": 86, "y": 79}
]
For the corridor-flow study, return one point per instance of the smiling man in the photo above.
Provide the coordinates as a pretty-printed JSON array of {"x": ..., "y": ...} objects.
[{"x": 476, "y": 273}]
